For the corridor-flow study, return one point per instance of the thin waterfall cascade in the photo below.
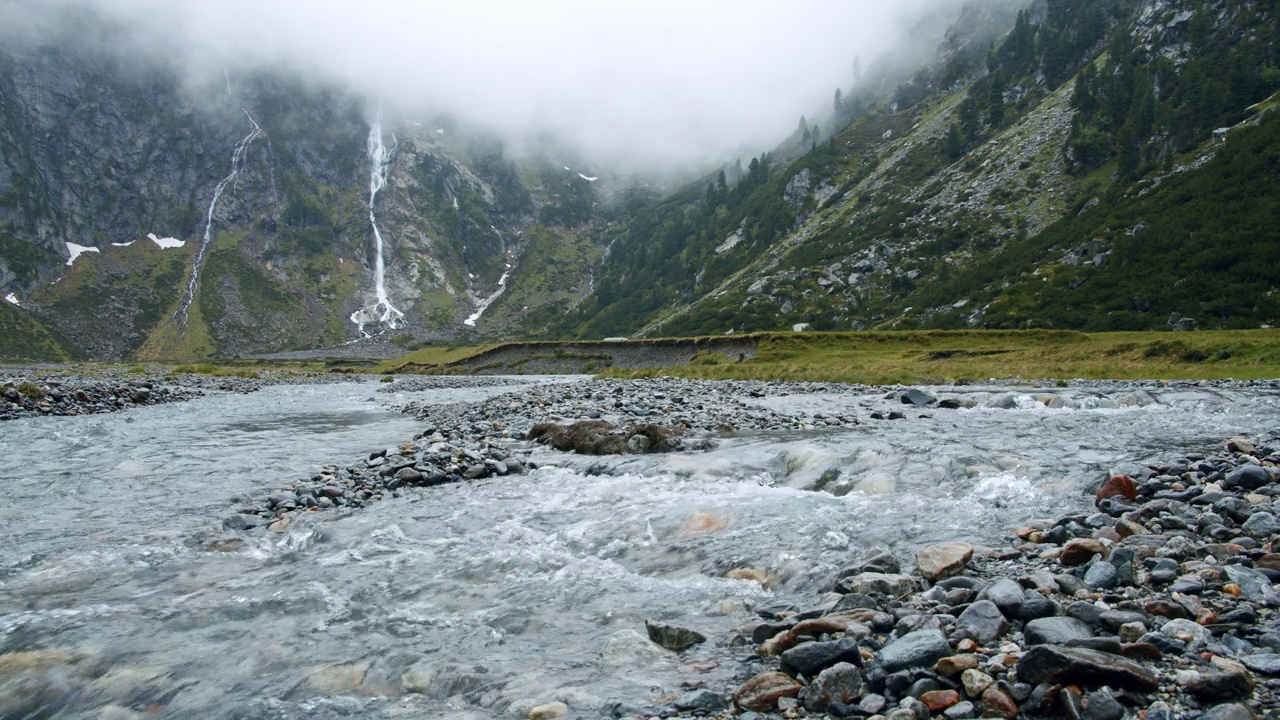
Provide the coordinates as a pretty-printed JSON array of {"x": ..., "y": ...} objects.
[
  {"x": 381, "y": 311},
  {"x": 485, "y": 303},
  {"x": 237, "y": 164}
]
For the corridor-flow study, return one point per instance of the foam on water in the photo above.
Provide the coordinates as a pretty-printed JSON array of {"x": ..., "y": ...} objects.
[{"x": 506, "y": 592}]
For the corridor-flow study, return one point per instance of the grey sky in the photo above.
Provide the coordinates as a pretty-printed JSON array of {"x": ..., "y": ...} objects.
[{"x": 658, "y": 81}]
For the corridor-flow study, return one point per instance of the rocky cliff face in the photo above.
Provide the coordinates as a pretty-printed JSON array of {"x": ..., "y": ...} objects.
[{"x": 258, "y": 184}]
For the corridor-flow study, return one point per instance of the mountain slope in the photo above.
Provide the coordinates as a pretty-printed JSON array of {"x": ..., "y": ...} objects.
[{"x": 944, "y": 204}]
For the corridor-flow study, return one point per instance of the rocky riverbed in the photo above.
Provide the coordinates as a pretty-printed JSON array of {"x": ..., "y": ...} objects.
[
  {"x": 638, "y": 584},
  {"x": 27, "y": 392},
  {"x": 1157, "y": 602}
]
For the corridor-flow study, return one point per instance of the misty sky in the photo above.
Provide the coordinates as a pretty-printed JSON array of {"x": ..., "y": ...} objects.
[{"x": 656, "y": 82}]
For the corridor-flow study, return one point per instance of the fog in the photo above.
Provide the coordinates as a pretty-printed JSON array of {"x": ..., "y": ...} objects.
[{"x": 649, "y": 85}]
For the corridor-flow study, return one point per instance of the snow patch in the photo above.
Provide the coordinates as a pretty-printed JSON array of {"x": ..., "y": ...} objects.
[
  {"x": 588, "y": 179},
  {"x": 484, "y": 304},
  {"x": 440, "y": 131},
  {"x": 166, "y": 243},
  {"x": 124, "y": 244},
  {"x": 78, "y": 250},
  {"x": 13, "y": 299}
]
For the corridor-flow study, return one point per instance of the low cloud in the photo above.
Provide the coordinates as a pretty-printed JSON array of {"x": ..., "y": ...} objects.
[{"x": 651, "y": 84}]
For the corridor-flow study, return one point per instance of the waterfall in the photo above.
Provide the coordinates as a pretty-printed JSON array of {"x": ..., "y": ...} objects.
[
  {"x": 237, "y": 160},
  {"x": 382, "y": 311}
]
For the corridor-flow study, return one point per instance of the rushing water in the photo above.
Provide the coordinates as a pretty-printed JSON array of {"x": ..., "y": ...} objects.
[{"x": 482, "y": 599}]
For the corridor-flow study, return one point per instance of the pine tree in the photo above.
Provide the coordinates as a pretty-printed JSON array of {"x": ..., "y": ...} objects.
[
  {"x": 995, "y": 103},
  {"x": 839, "y": 102},
  {"x": 954, "y": 142}
]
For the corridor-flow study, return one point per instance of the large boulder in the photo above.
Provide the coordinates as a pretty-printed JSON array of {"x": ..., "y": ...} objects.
[{"x": 1067, "y": 665}]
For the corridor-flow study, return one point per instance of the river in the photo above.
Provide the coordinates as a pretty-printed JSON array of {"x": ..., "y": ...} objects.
[{"x": 120, "y": 596}]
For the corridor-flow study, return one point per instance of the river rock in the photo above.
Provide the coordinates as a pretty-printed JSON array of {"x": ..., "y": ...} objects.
[
  {"x": 867, "y": 583},
  {"x": 1102, "y": 575},
  {"x": 955, "y": 664},
  {"x": 982, "y": 621},
  {"x": 239, "y": 522},
  {"x": 672, "y": 637},
  {"x": 1255, "y": 586},
  {"x": 762, "y": 692},
  {"x": 918, "y": 398},
  {"x": 1228, "y": 711},
  {"x": 550, "y": 711},
  {"x": 1066, "y": 665},
  {"x": 997, "y": 704},
  {"x": 809, "y": 659},
  {"x": 915, "y": 649},
  {"x": 1121, "y": 485},
  {"x": 705, "y": 700},
  {"x": 627, "y": 648},
  {"x": 975, "y": 682},
  {"x": 939, "y": 700},
  {"x": 1081, "y": 551},
  {"x": 1226, "y": 684},
  {"x": 935, "y": 562},
  {"x": 1248, "y": 477},
  {"x": 1006, "y": 594},
  {"x": 840, "y": 683},
  {"x": 1261, "y": 524},
  {"x": 875, "y": 560},
  {"x": 1055, "y": 630}
]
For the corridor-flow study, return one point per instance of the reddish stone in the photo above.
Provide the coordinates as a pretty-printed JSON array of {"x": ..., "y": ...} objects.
[
  {"x": 996, "y": 704},
  {"x": 761, "y": 693},
  {"x": 939, "y": 700},
  {"x": 1270, "y": 561},
  {"x": 1141, "y": 651},
  {"x": 1118, "y": 485},
  {"x": 954, "y": 665},
  {"x": 1081, "y": 551}
]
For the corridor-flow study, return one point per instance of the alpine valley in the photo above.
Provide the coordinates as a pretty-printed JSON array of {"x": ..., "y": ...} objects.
[{"x": 1071, "y": 164}]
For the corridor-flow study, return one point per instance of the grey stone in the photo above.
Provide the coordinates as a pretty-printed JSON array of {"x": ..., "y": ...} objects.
[
  {"x": 700, "y": 700},
  {"x": 872, "y": 582},
  {"x": 1261, "y": 524},
  {"x": 872, "y": 704},
  {"x": 1102, "y": 705},
  {"x": 811, "y": 658},
  {"x": 1055, "y": 630},
  {"x": 920, "y": 648},
  {"x": 918, "y": 398},
  {"x": 1064, "y": 665},
  {"x": 1249, "y": 476},
  {"x": 1265, "y": 663},
  {"x": 877, "y": 560},
  {"x": 1228, "y": 711},
  {"x": 840, "y": 683},
  {"x": 982, "y": 621},
  {"x": 1101, "y": 576},
  {"x": 961, "y": 711},
  {"x": 1006, "y": 594},
  {"x": 1255, "y": 586},
  {"x": 239, "y": 522}
]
